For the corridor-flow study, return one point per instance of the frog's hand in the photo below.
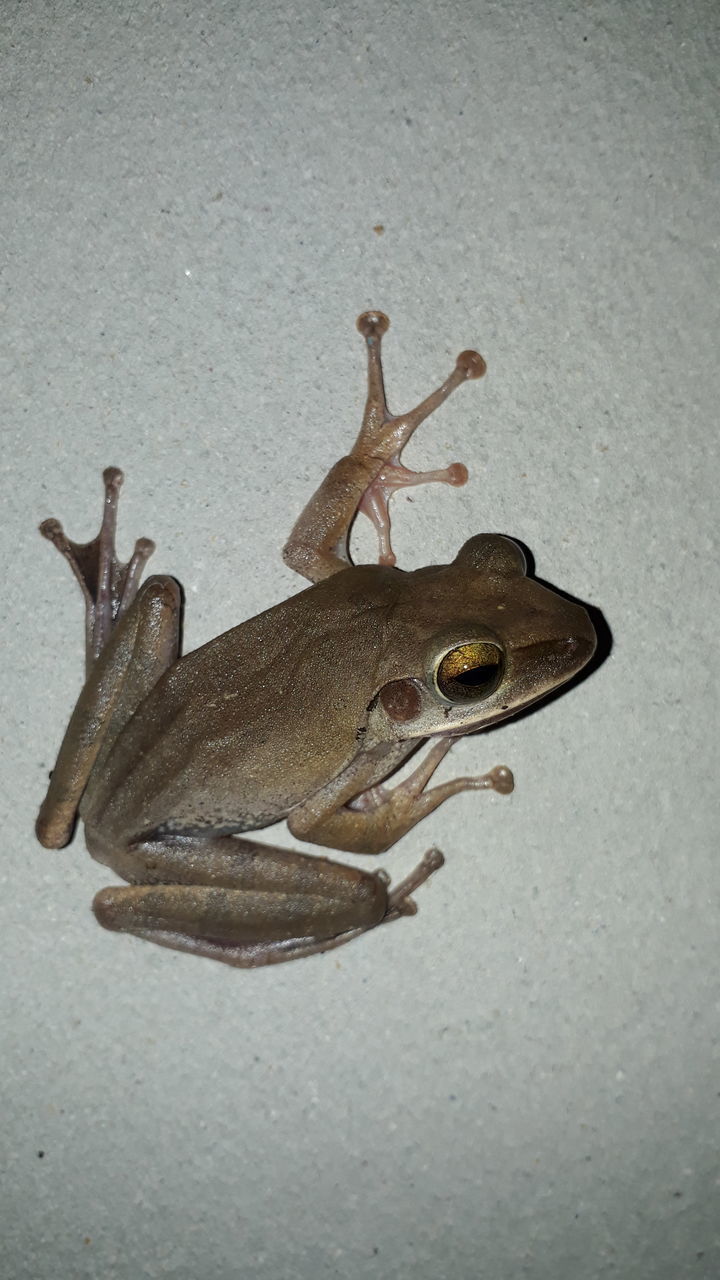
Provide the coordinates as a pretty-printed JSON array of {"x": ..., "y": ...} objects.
[
  {"x": 366, "y": 479},
  {"x": 108, "y": 586},
  {"x": 371, "y": 820},
  {"x": 248, "y": 904}
]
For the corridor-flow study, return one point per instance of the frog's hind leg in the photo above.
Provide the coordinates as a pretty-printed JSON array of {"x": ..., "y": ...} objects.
[
  {"x": 247, "y": 904},
  {"x": 131, "y": 638},
  {"x": 366, "y": 479},
  {"x": 143, "y": 644},
  {"x": 386, "y": 434},
  {"x": 108, "y": 586}
]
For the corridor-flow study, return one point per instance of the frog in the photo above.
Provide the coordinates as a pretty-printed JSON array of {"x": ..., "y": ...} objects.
[{"x": 303, "y": 713}]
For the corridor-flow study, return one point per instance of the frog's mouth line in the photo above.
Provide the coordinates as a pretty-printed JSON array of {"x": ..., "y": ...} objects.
[{"x": 503, "y": 713}]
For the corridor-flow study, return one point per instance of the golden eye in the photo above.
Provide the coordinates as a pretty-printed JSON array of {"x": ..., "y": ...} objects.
[{"x": 470, "y": 671}]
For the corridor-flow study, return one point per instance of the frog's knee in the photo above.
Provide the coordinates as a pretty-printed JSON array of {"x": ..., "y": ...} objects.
[{"x": 160, "y": 591}]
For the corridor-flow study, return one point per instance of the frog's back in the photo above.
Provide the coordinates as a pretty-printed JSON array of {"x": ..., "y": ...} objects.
[{"x": 237, "y": 733}]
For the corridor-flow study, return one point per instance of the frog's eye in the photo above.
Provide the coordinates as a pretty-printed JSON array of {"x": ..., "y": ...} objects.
[{"x": 469, "y": 672}]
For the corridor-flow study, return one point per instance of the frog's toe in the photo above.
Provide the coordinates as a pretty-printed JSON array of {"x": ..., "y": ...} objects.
[
  {"x": 473, "y": 364},
  {"x": 501, "y": 779},
  {"x": 108, "y": 585},
  {"x": 373, "y": 324}
]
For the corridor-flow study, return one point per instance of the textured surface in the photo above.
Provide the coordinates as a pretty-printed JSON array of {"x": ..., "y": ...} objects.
[{"x": 521, "y": 1081}]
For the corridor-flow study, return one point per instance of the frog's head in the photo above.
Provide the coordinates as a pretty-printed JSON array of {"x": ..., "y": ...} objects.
[{"x": 482, "y": 642}]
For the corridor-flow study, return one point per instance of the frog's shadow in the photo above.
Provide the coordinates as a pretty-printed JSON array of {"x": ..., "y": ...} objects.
[{"x": 602, "y": 652}]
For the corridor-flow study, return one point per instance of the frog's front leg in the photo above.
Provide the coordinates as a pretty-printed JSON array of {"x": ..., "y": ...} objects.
[
  {"x": 243, "y": 903},
  {"x": 369, "y": 819},
  {"x": 366, "y": 479}
]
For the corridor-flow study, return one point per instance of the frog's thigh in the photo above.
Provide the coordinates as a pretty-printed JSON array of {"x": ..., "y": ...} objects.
[
  {"x": 253, "y": 904},
  {"x": 143, "y": 644}
]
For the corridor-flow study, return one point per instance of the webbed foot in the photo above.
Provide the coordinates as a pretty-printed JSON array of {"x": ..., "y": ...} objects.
[
  {"x": 385, "y": 435},
  {"x": 108, "y": 586}
]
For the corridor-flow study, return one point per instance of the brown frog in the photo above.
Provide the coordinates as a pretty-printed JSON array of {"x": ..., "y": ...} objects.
[{"x": 300, "y": 713}]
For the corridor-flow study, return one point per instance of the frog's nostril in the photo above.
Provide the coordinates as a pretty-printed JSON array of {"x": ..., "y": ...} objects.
[
  {"x": 579, "y": 648},
  {"x": 572, "y": 651}
]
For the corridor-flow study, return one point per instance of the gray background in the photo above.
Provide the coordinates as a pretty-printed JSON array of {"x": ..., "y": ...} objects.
[{"x": 522, "y": 1080}]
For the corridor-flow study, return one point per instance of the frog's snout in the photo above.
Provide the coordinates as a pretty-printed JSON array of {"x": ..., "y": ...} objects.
[{"x": 578, "y": 649}]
